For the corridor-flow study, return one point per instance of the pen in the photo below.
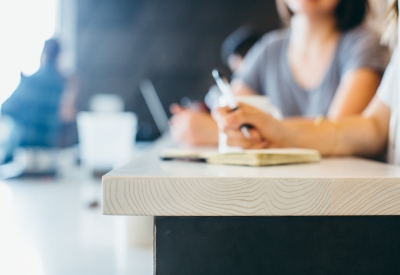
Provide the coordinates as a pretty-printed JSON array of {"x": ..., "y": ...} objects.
[{"x": 225, "y": 88}]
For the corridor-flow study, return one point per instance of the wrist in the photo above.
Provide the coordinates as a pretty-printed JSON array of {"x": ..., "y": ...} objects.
[
  {"x": 287, "y": 136},
  {"x": 322, "y": 122}
]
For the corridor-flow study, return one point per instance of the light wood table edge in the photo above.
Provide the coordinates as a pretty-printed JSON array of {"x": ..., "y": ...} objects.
[{"x": 176, "y": 196}]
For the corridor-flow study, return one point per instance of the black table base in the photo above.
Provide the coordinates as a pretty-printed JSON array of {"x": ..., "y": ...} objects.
[{"x": 277, "y": 245}]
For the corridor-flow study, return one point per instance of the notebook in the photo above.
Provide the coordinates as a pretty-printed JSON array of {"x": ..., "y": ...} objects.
[{"x": 262, "y": 157}]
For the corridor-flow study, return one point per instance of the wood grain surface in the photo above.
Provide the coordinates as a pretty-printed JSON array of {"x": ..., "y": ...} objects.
[
  {"x": 347, "y": 186},
  {"x": 251, "y": 197}
]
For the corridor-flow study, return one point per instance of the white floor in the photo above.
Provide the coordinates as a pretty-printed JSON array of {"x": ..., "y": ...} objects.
[{"x": 47, "y": 228}]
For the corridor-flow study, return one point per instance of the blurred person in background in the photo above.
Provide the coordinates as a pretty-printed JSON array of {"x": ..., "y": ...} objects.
[
  {"x": 193, "y": 125},
  {"x": 238, "y": 44},
  {"x": 41, "y": 103},
  {"x": 367, "y": 134},
  {"x": 327, "y": 62}
]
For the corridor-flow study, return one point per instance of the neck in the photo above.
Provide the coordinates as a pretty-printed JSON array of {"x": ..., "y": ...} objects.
[{"x": 308, "y": 32}]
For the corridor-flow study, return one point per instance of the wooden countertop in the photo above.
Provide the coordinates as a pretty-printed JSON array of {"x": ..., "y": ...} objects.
[{"x": 336, "y": 186}]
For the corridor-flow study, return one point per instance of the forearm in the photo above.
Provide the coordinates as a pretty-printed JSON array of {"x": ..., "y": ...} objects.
[
  {"x": 355, "y": 92},
  {"x": 361, "y": 136},
  {"x": 349, "y": 136}
]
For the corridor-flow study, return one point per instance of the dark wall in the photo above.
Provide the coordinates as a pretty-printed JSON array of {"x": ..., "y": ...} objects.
[{"x": 175, "y": 43}]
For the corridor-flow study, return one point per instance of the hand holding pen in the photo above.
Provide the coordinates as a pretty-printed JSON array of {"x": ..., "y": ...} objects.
[{"x": 226, "y": 90}]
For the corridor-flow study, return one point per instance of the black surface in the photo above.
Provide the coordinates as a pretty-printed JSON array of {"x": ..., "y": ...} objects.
[
  {"x": 174, "y": 43},
  {"x": 277, "y": 245}
]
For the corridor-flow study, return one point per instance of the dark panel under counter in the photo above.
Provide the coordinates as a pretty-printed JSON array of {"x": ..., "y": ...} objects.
[{"x": 277, "y": 245}]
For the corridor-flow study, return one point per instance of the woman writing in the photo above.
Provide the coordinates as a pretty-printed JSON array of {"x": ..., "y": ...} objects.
[
  {"x": 325, "y": 63},
  {"x": 364, "y": 135}
]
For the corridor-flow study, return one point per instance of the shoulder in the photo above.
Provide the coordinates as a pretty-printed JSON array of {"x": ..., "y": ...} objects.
[
  {"x": 361, "y": 36},
  {"x": 48, "y": 75},
  {"x": 264, "y": 54},
  {"x": 271, "y": 42},
  {"x": 361, "y": 47},
  {"x": 275, "y": 37}
]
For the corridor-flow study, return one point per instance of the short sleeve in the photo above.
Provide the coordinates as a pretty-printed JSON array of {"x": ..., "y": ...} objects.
[
  {"x": 361, "y": 48},
  {"x": 389, "y": 83},
  {"x": 254, "y": 68},
  {"x": 250, "y": 71}
]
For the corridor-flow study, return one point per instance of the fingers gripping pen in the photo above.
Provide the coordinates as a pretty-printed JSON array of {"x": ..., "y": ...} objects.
[{"x": 225, "y": 88}]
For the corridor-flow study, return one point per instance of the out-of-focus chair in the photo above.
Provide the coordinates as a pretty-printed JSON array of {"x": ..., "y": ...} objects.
[
  {"x": 16, "y": 161},
  {"x": 106, "y": 140},
  {"x": 9, "y": 140},
  {"x": 106, "y": 133},
  {"x": 6, "y": 132},
  {"x": 106, "y": 103}
]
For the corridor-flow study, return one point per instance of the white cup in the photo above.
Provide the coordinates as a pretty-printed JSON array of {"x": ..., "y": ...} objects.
[{"x": 260, "y": 102}]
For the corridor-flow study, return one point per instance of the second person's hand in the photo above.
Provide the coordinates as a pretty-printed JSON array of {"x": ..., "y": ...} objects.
[{"x": 193, "y": 127}]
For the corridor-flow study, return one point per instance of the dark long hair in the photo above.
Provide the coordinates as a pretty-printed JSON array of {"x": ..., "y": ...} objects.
[
  {"x": 348, "y": 13},
  {"x": 390, "y": 35},
  {"x": 395, "y": 8}
]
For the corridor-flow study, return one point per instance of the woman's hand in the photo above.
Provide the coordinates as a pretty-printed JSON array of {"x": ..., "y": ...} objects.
[
  {"x": 265, "y": 131},
  {"x": 193, "y": 127}
]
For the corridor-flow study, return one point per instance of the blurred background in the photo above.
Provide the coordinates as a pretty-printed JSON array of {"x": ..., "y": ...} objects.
[
  {"x": 112, "y": 45},
  {"x": 175, "y": 43},
  {"x": 50, "y": 192}
]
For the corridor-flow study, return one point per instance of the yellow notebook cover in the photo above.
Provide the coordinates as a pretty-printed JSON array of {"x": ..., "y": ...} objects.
[{"x": 259, "y": 157}]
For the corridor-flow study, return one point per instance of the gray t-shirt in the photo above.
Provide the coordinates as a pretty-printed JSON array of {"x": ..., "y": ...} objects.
[{"x": 267, "y": 70}]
